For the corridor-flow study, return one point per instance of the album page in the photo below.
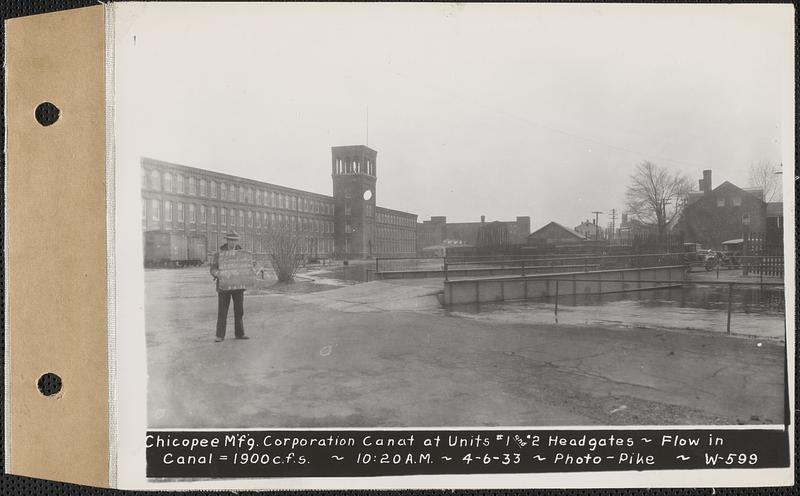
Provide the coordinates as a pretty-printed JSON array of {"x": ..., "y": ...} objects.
[{"x": 452, "y": 245}]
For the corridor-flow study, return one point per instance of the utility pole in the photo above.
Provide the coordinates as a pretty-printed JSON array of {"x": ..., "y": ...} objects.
[
  {"x": 613, "y": 218},
  {"x": 596, "y": 225}
]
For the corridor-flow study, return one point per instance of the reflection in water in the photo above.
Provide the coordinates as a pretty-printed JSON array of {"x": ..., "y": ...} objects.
[{"x": 754, "y": 311}]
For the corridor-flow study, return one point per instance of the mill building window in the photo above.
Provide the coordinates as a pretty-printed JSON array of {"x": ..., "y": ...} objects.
[
  {"x": 154, "y": 204},
  {"x": 155, "y": 182},
  {"x": 168, "y": 211},
  {"x": 180, "y": 212}
]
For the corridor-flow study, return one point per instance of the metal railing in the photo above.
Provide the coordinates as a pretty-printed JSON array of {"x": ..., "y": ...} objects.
[
  {"x": 587, "y": 262},
  {"x": 668, "y": 284},
  {"x": 408, "y": 263}
]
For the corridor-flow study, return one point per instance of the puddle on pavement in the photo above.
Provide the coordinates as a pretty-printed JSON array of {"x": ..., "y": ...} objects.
[{"x": 754, "y": 312}]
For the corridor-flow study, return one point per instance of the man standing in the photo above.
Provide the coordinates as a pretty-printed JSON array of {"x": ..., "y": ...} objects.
[{"x": 224, "y": 297}]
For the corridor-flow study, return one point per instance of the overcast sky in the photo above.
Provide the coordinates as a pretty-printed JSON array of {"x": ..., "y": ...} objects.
[{"x": 502, "y": 110}]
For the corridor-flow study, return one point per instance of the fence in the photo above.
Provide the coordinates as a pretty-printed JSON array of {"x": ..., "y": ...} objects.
[
  {"x": 391, "y": 264},
  {"x": 559, "y": 283},
  {"x": 730, "y": 285},
  {"x": 769, "y": 257},
  {"x": 750, "y": 265},
  {"x": 531, "y": 264},
  {"x": 498, "y": 289}
]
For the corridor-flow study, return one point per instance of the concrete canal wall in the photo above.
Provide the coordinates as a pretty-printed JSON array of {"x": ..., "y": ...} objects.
[
  {"x": 493, "y": 289},
  {"x": 480, "y": 271}
]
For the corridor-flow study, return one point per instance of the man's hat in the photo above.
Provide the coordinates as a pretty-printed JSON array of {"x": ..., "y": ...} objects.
[{"x": 232, "y": 235}]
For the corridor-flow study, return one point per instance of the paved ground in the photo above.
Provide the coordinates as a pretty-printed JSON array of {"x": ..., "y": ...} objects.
[{"x": 385, "y": 354}]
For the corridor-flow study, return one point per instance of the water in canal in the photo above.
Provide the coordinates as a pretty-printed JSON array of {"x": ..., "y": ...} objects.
[{"x": 754, "y": 311}]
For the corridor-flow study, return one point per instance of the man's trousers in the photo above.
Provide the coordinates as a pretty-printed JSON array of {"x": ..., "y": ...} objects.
[{"x": 224, "y": 298}]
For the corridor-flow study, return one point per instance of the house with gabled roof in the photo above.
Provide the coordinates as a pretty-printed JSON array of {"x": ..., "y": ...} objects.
[{"x": 714, "y": 215}]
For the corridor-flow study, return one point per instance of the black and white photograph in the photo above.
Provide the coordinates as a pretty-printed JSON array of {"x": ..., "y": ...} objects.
[
  {"x": 461, "y": 215},
  {"x": 390, "y": 216}
]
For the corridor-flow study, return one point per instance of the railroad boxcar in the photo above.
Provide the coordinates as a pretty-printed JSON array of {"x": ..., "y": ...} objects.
[{"x": 171, "y": 249}]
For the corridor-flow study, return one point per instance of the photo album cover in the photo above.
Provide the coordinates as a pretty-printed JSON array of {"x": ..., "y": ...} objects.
[{"x": 397, "y": 246}]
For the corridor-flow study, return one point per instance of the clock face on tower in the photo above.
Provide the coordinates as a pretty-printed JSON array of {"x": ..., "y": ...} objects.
[{"x": 367, "y": 194}]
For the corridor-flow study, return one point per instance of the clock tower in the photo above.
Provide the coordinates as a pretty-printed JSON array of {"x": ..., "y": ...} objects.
[{"x": 354, "y": 177}]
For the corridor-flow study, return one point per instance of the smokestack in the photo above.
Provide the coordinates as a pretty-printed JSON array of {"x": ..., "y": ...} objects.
[
  {"x": 706, "y": 181},
  {"x": 483, "y": 219}
]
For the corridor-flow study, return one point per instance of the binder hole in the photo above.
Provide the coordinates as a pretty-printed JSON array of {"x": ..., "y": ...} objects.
[
  {"x": 49, "y": 384},
  {"x": 47, "y": 113}
]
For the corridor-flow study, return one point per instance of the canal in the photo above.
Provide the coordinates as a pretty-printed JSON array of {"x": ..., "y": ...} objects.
[{"x": 755, "y": 311}]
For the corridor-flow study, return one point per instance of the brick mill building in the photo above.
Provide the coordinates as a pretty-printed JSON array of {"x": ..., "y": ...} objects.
[
  {"x": 438, "y": 232},
  {"x": 201, "y": 203}
]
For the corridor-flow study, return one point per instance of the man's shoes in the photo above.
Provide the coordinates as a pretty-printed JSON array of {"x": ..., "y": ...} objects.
[
  {"x": 219, "y": 340},
  {"x": 242, "y": 337}
]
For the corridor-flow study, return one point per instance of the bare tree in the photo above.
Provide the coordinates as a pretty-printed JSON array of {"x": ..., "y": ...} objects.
[
  {"x": 656, "y": 195},
  {"x": 284, "y": 246},
  {"x": 765, "y": 175}
]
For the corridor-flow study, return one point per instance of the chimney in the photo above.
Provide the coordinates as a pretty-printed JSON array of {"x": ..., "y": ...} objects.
[
  {"x": 483, "y": 219},
  {"x": 624, "y": 218},
  {"x": 706, "y": 181}
]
